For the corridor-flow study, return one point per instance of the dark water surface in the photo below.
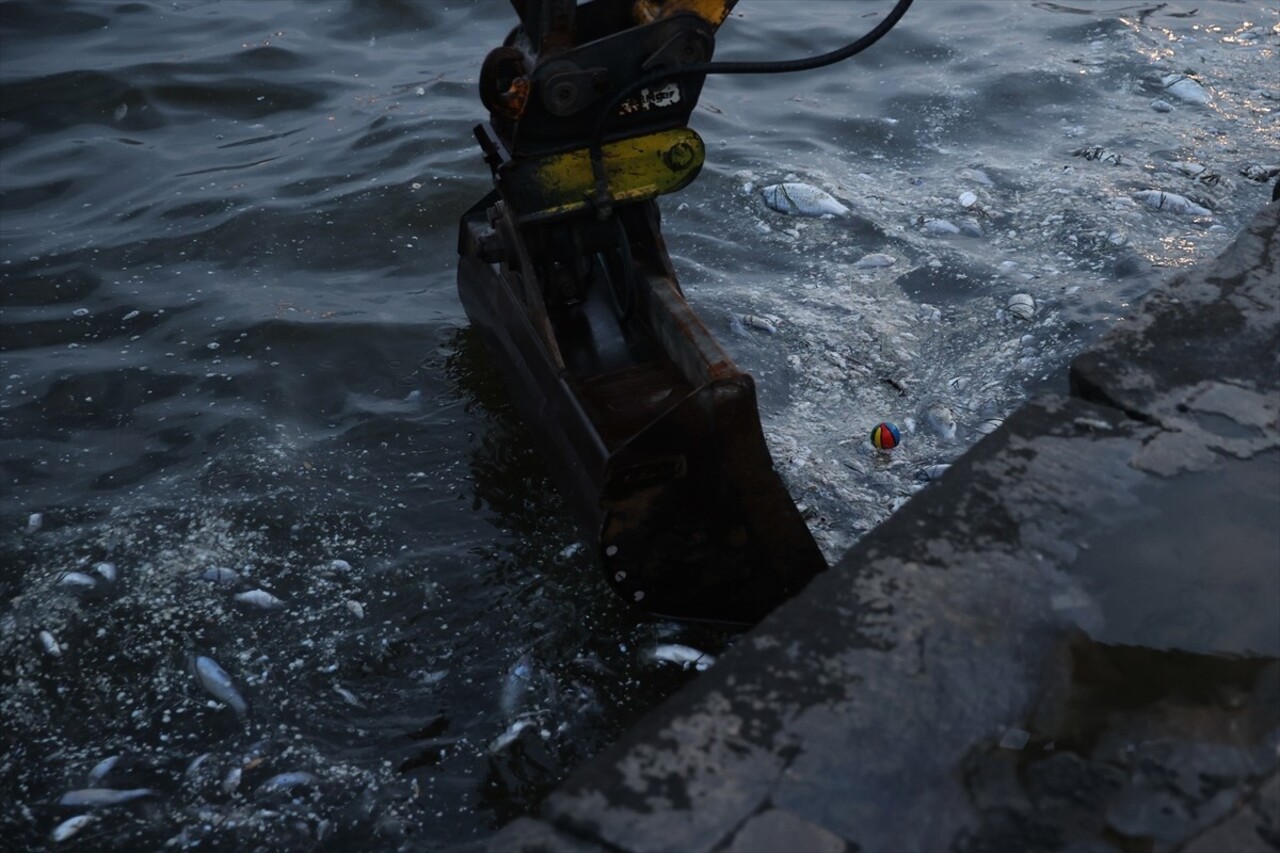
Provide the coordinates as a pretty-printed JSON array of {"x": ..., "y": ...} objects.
[{"x": 231, "y": 340}]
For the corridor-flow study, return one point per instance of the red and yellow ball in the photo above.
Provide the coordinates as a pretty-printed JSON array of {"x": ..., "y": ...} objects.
[{"x": 885, "y": 436}]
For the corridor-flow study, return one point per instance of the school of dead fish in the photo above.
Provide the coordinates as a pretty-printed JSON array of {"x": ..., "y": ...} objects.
[{"x": 790, "y": 197}]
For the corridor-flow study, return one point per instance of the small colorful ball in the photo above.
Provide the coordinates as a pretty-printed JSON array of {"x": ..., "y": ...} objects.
[{"x": 885, "y": 436}]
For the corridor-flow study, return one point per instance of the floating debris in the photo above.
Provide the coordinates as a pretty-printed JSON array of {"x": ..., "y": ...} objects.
[
  {"x": 97, "y": 797},
  {"x": 685, "y": 656},
  {"x": 69, "y": 827},
  {"x": 1100, "y": 154},
  {"x": 49, "y": 643},
  {"x": 1022, "y": 306},
  {"x": 796, "y": 199},
  {"x": 759, "y": 323},
  {"x": 214, "y": 679},
  {"x": 875, "y": 260},
  {"x": 259, "y": 598},
  {"x": 940, "y": 419},
  {"x": 1185, "y": 88},
  {"x": 1171, "y": 202},
  {"x": 958, "y": 383}
]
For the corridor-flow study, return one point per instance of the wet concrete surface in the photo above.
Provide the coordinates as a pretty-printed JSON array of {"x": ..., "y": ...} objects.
[{"x": 1071, "y": 641}]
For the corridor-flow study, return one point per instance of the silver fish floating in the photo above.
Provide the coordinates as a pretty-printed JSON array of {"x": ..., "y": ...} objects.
[
  {"x": 1171, "y": 203},
  {"x": 937, "y": 227},
  {"x": 69, "y": 827},
  {"x": 231, "y": 782},
  {"x": 796, "y": 199},
  {"x": 1260, "y": 173},
  {"x": 221, "y": 576},
  {"x": 101, "y": 769},
  {"x": 259, "y": 598},
  {"x": 759, "y": 323},
  {"x": 1185, "y": 88},
  {"x": 287, "y": 782},
  {"x": 98, "y": 797},
  {"x": 1022, "y": 306},
  {"x": 1161, "y": 106},
  {"x": 218, "y": 684},
  {"x": 509, "y": 736},
  {"x": 49, "y": 643},
  {"x": 876, "y": 260},
  {"x": 933, "y": 472},
  {"x": 107, "y": 571},
  {"x": 34, "y": 522},
  {"x": 77, "y": 579},
  {"x": 989, "y": 425},
  {"x": 685, "y": 656}
]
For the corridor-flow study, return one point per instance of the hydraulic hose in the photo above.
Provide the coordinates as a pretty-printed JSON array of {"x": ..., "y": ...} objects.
[{"x": 784, "y": 66}]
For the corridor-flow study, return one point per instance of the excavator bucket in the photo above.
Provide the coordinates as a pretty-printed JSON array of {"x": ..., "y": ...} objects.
[{"x": 650, "y": 429}]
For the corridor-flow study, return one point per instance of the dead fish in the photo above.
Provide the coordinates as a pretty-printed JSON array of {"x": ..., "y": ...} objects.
[
  {"x": 107, "y": 571},
  {"x": 218, "y": 684},
  {"x": 49, "y": 643},
  {"x": 196, "y": 763},
  {"x": 101, "y": 769},
  {"x": 34, "y": 522},
  {"x": 1161, "y": 106},
  {"x": 220, "y": 575},
  {"x": 967, "y": 199},
  {"x": 77, "y": 579},
  {"x": 989, "y": 425},
  {"x": 937, "y": 227},
  {"x": 1185, "y": 88},
  {"x": 1097, "y": 152},
  {"x": 958, "y": 383},
  {"x": 1260, "y": 173},
  {"x": 796, "y": 199},
  {"x": 932, "y": 472},
  {"x": 97, "y": 797},
  {"x": 286, "y": 782},
  {"x": 940, "y": 419},
  {"x": 69, "y": 827},
  {"x": 759, "y": 323},
  {"x": 519, "y": 681},
  {"x": 1022, "y": 306},
  {"x": 348, "y": 696},
  {"x": 231, "y": 781},
  {"x": 685, "y": 656},
  {"x": 875, "y": 260},
  {"x": 259, "y": 598},
  {"x": 509, "y": 736},
  {"x": 339, "y": 566},
  {"x": 356, "y": 609},
  {"x": 1171, "y": 203}
]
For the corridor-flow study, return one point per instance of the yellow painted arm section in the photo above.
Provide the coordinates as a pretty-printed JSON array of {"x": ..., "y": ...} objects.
[
  {"x": 712, "y": 11},
  {"x": 639, "y": 168}
]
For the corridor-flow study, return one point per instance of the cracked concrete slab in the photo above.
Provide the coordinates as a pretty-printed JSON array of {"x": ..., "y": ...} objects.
[{"x": 1069, "y": 641}]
